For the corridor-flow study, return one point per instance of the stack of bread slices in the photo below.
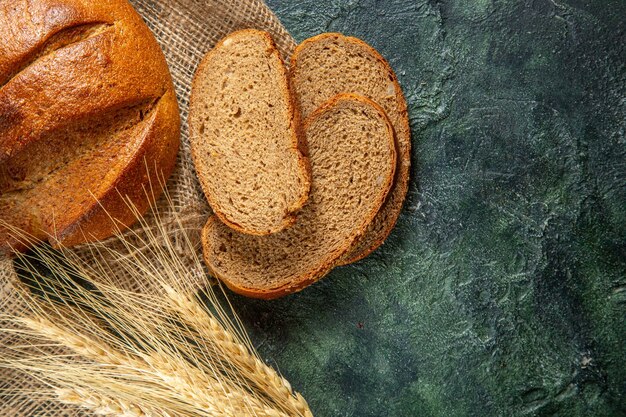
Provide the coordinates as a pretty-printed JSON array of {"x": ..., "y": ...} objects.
[{"x": 305, "y": 169}]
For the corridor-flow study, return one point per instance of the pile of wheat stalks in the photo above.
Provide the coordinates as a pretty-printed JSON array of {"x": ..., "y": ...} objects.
[{"x": 162, "y": 351}]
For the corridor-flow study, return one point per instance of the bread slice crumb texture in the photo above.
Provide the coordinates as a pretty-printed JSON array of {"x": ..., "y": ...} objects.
[
  {"x": 243, "y": 130},
  {"x": 332, "y": 63},
  {"x": 353, "y": 160}
]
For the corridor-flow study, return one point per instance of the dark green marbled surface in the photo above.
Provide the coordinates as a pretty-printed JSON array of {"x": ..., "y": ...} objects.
[{"x": 503, "y": 289}]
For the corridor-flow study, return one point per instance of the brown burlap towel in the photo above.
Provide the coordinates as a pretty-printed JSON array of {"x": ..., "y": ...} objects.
[{"x": 186, "y": 30}]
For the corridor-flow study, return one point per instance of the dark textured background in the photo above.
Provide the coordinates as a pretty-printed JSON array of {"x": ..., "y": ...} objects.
[{"x": 503, "y": 289}]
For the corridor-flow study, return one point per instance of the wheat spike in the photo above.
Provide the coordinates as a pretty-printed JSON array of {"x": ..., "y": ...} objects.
[
  {"x": 189, "y": 385},
  {"x": 100, "y": 405},
  {"x": 154, "y": 352},
  {"x": 261, "y": 375}
]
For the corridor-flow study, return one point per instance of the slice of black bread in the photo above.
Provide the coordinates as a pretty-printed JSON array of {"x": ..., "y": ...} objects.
[
  {"x": 331, "y": 63},
  {"x": 353, "y": 159},
  {"x": 244, "y": 135}
]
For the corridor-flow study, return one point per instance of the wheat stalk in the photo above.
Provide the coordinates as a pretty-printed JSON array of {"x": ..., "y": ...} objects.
[
  {"x": 163, "y": 372},
  {"x": 261, "y": 375},
  {"x": 159, "y": 352},
  {"x": 100, "y": 405},
  {"x": 188, "y": 384}
]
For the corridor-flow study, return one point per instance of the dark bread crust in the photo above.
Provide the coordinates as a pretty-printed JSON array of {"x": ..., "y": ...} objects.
[
  {"x": 311, "y": 276},
  {"x": 386, "y": 219},
  {"x": 71, "y": 63},
  {"x": 297, "y": 142}
]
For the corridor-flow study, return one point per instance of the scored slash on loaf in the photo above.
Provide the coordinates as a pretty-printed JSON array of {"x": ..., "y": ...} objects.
[
  {"x": 244, "y": 135},
  {"x": 353, "y": 160}
]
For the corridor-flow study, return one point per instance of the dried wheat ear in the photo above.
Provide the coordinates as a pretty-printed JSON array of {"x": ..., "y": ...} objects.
[{"x": 162, "y": 351}]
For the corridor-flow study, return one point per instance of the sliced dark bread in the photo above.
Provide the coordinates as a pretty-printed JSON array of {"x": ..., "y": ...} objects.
[
  {"x": 332, "y": 63},
  {"x": 353, "y": 160},
  {"x": 244, "y": 135}
]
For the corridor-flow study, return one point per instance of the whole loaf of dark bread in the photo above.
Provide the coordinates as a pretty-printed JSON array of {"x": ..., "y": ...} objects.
[{"x": 88, "y": 117}]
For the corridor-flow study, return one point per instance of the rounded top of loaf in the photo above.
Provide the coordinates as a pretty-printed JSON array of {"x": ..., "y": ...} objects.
[{"x": 86, "y": 105}]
